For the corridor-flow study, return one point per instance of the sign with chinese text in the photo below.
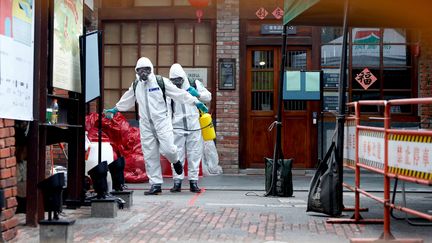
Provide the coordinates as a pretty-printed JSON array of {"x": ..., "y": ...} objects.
[
  {"x": 349, "y": 143},
  {"x": 277, "y": 29},
  {"x": 261, "y": 13},
  {"x": 197, "y": 73},
  {"x": 416, "y": 156},
  {"x": 365, "y": 78},
  {"x": 277, "y": 13},
  {"x": 371, "y": 148}
]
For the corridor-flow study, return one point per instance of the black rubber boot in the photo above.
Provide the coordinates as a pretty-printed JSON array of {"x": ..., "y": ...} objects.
[
  {"x": 178, "y": 167},
  {"x": 194, "y": 187},
  {"x": 155, "y": 189},
  {"x": 177, "y": 186},
  {"x": 98, "y": 175},
  {"x": 116, "y": 169}
]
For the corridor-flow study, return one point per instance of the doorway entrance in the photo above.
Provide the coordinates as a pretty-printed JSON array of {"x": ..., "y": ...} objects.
[{"x": 299, "y": 129}]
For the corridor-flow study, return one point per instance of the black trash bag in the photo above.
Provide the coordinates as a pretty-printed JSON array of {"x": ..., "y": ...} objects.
[
  {"x": 52, "y": 188},
  {"x": 323, "y": 194},
  {"x": 98, "y": 175},
  {"x": 116, "y": 169},
  {"x": 284, "y": 184}
]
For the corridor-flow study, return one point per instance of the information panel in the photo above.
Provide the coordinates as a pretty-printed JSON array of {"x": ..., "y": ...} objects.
[
  {"x": 302, "y": 85},
  {"x": 16, "y": 59}
]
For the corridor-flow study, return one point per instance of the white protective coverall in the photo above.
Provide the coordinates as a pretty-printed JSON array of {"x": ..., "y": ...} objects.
[
  {"x": 186, "y": 117},
  {"x": 155, "y": 126}
]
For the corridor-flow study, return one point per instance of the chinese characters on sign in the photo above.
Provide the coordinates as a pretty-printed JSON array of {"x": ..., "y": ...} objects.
[
  {"x": 278, "y": 13},
  {"x": 365, "y": 78},
  {"x": 410, "y": 155},
  {"x": 371, "y": 148},
  {"x": 261, "y": 13}
]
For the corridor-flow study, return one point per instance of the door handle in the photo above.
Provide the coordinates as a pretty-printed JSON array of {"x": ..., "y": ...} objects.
[{"x": 314, "y": 117}]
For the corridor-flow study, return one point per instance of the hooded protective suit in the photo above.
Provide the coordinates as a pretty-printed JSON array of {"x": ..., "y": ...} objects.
[
  {"x": 186, "y": 117},
  {"x": 155, "y": 125}
]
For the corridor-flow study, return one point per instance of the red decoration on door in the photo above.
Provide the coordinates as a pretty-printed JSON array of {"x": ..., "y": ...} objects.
[
  {"x": 278, "y": 13},
  {"x": 365, "y": 78},
  {"x": 199, "y": 4},
  {"x": 261, "y": 13}
]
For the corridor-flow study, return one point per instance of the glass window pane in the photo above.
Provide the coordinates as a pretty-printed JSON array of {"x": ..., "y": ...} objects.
[
  {"x": 363, "y": 95},
  {"x": 331, "y": 35},
  {"x": 398, "y": 95},
  {"x": 112, "y": 56},
  {"x": 148, "y": 33},
  {"x": 366, "y": 55},
  {"x": 111, "y": 33},
  {"x": 203, "y": 55},
  {"x": 374, "y": 85},
  {"x": 184, "y": 55},
  {"x": 331, "y": 55},
  {"x": 366, "y": 36},
  {"x": 163, "y": 72},
  {"x": 149, "y": 52},
  {"x": 166, "y": 33},
  {"x": 262, "y": 101},
  {"x": 185, "y": 33},
  {"x": 395, "y": 55},
  {"x": 152, "y": 3},
  {"x": 203, "y": 33},
  {"x": 397, "y": 78},
  {"x": 110, "y": 98},
  {"x": 129, "y": 55},
  {"x": 129, "y": 33},
  {"x": 128, "y": 76},
  {"x": 262, "y": 80},
  {"x": 111, "y": 78},
  {"x": 166, "y": 55},
  {"x": 262, "y": 60},
  {"x": 395, "y": 36},
  {"x": 296, "y": 60}
]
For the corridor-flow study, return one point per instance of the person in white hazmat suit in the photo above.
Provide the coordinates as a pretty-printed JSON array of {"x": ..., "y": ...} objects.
[
  {"x": 155, "y": 126},
  {"x": 187, "y": 132}
]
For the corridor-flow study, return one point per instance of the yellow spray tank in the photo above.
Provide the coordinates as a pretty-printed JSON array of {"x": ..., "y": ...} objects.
[{"x": 207, "y": 128}]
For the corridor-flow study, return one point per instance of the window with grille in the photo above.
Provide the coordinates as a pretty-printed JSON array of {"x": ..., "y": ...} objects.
[
  {"x": 262, "y": 75},
  {"x": 386, "y": 54},
  {"x": 163, "y": 42},
  {"x": 296, "y": 60}
]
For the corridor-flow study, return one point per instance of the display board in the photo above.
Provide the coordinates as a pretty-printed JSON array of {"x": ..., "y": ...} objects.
[
  {"x": 68, "y": 26},
  {"x": 91, "y": 46},
  {"x": 16, "y": 59},
  {"x": 302, "y": 85}
]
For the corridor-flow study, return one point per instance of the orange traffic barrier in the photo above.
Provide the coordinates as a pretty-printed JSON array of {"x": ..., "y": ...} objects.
[{"x": 395, "y": 153}]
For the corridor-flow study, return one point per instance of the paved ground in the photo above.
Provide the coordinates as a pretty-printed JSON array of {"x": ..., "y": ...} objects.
[{"x": 233, "y": 209}]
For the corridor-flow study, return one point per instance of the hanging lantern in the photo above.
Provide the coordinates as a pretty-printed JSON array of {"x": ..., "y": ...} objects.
[{"x": 199, "y": 4}]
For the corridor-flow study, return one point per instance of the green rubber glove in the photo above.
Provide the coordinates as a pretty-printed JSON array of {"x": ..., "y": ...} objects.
[
  {"x": 193, "y": 91},
  {"x": 201, "y": 107},
  {"x": 109, "y": 113}
]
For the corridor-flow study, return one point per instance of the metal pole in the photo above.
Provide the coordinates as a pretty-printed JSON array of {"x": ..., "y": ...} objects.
[
  {"x": 342, "y": 106},
  {"x": 278, "y": 150}
]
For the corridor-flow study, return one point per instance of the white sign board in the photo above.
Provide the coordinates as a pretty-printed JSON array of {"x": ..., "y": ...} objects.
[
  {"x": 16, "y": 59},
  {"x": 371, "y": 148},
  {"x": 68, "y": 26},
  {"x": 349, "y": 142},
  {"x": 197, "y": 73},
  {"x": 415, "y": 156}
]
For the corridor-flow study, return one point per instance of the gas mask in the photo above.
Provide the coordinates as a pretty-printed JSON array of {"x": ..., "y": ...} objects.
[
  {"x": 177, "y": 81},
  {"x": 143, "y": 73}
]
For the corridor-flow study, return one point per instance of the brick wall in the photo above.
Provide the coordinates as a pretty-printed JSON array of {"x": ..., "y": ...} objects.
[
  {"x": 227, "y": 101},
  {"x": 425, "y": 73},
  {"x": 8, "y": 179}
]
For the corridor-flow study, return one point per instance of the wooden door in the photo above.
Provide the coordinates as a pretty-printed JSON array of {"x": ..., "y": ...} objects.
[{"x": 299, "y": 135}]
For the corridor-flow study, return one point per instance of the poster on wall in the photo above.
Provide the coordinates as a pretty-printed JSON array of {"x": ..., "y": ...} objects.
[
  {"x": 16, "y": 59},
  {"x": 68, "y": 19},
  {"x": 197, "y": 73}
]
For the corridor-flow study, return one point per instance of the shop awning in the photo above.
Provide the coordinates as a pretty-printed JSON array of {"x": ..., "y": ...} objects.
[{"x": 362, "y": 13}]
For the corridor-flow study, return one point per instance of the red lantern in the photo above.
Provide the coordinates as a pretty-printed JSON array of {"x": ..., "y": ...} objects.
[{"x": 199, "y": 4}]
